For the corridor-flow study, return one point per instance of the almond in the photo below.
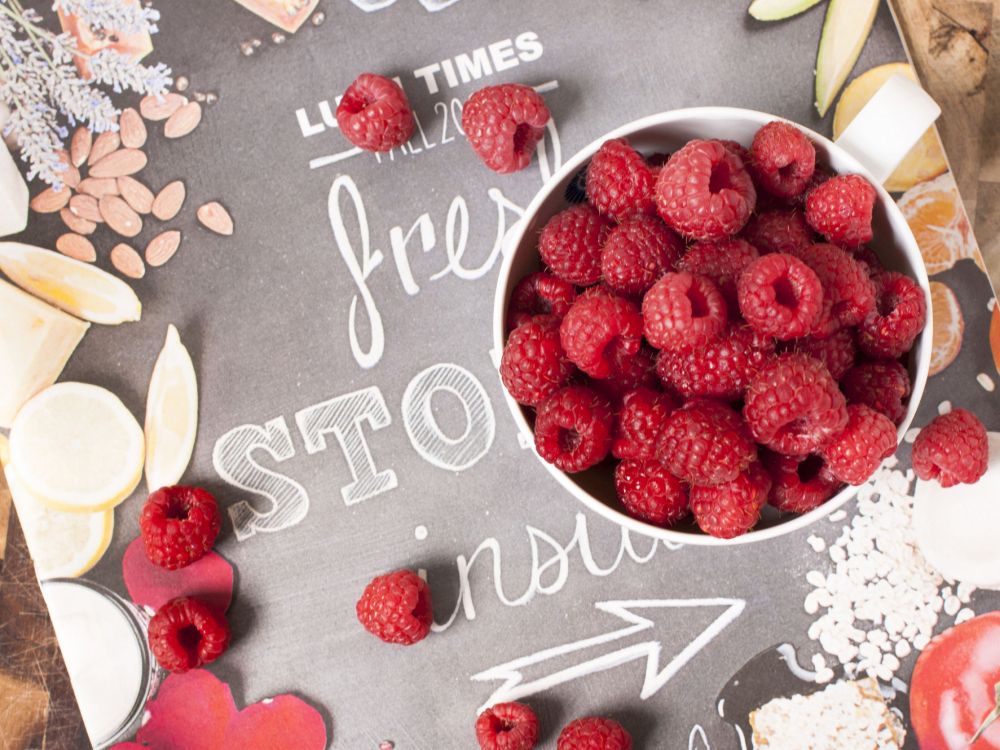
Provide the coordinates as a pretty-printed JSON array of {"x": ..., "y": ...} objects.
[
  {"x": 213, "y": 216},
  {"x": 76, "y": 246},
  {"x": 183, "y": 121},
  {"x": 79, "y": 147},
  {"x": 85, "y": 206},
  {"x": 98, "y": 186},
  {"x": 104, "y": 144},
  {"x": 133, "y": 129},
  {"x": 169, "y": 201},
  {"x": 119, "y": 216},
  {"x": 50, "y": 200},
  {"x": 156, "y": 108},
  {"x": 76, "y": 223},
  {"x": 137, "y": 195},
  {"x": 118, "y": 163},
  {"x": 162, "y": 247},
  {"x": 127, "y": 261}
]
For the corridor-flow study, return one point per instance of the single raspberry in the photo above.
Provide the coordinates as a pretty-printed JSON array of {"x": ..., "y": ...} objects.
[
  {"x": 793, "y": 406},
  {"x": 780, "y": 231},
  {"x": 841, "y": 209},
  {"x": 780, "y": 296},
  {"x": 704, "y": 192},
  {"x": 732, "y": 508},
  {"x": 683, "y": 309},
  {"x": 798, "y": 485},
  {"x": 705, "y": 442},
  {"x": 533, "y": 365},
  {"x": 573, "y": 428},
  {"x": 782, "y": 159},
  {"x": 868, "y": 438},
  {"x": 504, "y": 124},
  {"x": 374, "y": 114},
  {"x": 570, "y": 244},
  {"x": 637, "y": 253},
  {"x": 721, "y": 261},
  {"x": 186, "y": 633},
  {"x": 396, "y": 608},
  {"x": 900, "y": 314},
  {"x": 507, "y": 726},
  {"x": 953, "y": 449},
  {"x": 594, "y": 733},
  {"x": 628, "y": 372},
  {"x": 179, "y": 525},
  {"x": 539, "y": 294},
  {"x": 619, "y": 182},
  {"x": 639, "y": 422},
  {"x": 722, "y": 368},
  {"x": 838, "y": 352},
  {"x": 848, "y": 292},
  {"x": 883, "y": 385},
  {"x": 596, "y": 326},
  {"x": 651, "y": 493}
]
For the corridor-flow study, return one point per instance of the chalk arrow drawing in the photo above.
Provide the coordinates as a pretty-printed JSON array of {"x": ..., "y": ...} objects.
[{"x": 515, "y": 687}]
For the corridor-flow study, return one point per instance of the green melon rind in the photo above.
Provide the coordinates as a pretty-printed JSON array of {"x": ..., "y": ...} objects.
[
  {"x": 777, "y": 10},
  {"x": 854, "y": 17}
]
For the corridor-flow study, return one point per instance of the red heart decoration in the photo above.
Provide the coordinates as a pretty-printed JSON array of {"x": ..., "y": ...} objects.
[
  {"x": 280, "y": 723},
  {"x": 191, "y": 711},
  {"x": 209, "y": 579}
]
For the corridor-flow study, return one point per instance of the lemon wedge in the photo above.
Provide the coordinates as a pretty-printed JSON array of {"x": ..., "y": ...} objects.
[
  {"x": 171, "y": 414},
  {"x": 77, "y": 448},
  {"x": 79, "y": 288}
]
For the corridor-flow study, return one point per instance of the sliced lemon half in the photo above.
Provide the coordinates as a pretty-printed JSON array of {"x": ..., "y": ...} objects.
[{"x": 171, "y": 414}]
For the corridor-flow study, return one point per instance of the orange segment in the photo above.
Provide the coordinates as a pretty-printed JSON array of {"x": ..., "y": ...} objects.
[
  {"x": 949, "y": 326},
  {"x": 940, "y": 225},
  {"x": 995, "y": 336}
]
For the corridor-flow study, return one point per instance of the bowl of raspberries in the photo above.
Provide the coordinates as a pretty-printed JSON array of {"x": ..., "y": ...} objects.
[{"x": 713, "y": 325}]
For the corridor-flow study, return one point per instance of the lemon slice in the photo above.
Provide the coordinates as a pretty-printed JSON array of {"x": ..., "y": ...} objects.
[
  {"x": 77, "y": 448},
  {"x": 171, "y": 414},
  {"x": 79, "y": 288}
]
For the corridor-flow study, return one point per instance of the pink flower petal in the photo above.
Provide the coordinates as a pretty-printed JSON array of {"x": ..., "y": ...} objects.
[
  {"x": 190, "y": 712},
  {"x": 209, "y": 579},
  {"x": 282, "y": 723}
]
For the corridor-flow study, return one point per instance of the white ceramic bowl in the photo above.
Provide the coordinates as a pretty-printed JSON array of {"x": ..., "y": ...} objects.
[{"x": 668, "y": 131}]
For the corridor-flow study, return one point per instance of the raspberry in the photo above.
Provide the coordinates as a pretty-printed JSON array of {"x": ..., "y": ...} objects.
[
  {"x": 570, "y": 244},
  {"x": 841, "y": 209},
  {"x": 900, "y": 314},
  {"x": 848, "y": 292},
  {"x": 704, "y": 192},
  {"x": 594, "y": 733},
  {"x": 705, "y": 442},
  {"x": 721, "y": 261},
  {"x": 867, "y": 258},
  {"x": 782, "y": 159},
  {"x": 539, "y": 294},
  {"x": 883, "y": 385},
  {"x": 651, "y": 493},
  {"x": 798, "y": 485},
  {"x": 793, "y": 405},
  {"x": 573, "y": 428},
  {"x": 637, "y": 253},
  {"x": 533, "y": 365},
  {"x": 619, "y": 182},
  {"x": 628, "y": 372},
  {"x": 731, "y": 509},
  {"x": 683, "y": 309},
  {"x": 179, "y": 525},
  {"x": 374, "y": 114},
  {"x": 953, "y": 449},
  {"x": 396, "y": 607},
  {"x": 780, "y": 296},
  {"x": 639, "y": 421},
  {"x": 596, "y": 326},
  {"x": 736, "y": 149},
  {"x": 507, "y": 726},
  {"x": 838, "y": 352},
  {"x": 186, "y": 633},
  {"x": 868, "y": 438},
  {"x": 722, "y": 368},
  {"x": 504, "y": 124},
  {"x": 782, "y": 231}
]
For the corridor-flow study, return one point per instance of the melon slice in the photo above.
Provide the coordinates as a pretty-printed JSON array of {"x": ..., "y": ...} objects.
[
  {"x": 776, "y": 10},
  {"x": 845, "y": 30}
]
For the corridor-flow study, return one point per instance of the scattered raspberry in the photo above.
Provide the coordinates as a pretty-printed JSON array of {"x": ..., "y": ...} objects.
[
  {"x": 780, "y": 296},
  {"x": 901, "y": 311},
  {"x": 374, "y": 114},
  {"x": 619, "y": 182},
  {"x": 637, "y": 253},
  {"x": 651, "y": 493},
  {"x": 838, "y": 352},
  {"x": 798, "y": 485},
  {"x": 782, "y": 159},
  {"x": 704, "y": 192},
  {"x": 504, "y": 124},
  {"x": 573, "y": 428},
  {"x": 721, "y": 261},
  {"x": 722, "y": 368},
  {"x": 186, "y": 633},
  {"x": 731, "y": 509},
  {"x": 793, "y": 406},
  {"x": 639, "y": 421},
  {"x": 533, "y": 365},
  {"x": 507, "y": 726},
  {"x": 848, "y": 292},
  {"x": 705, "y": 442},
  {"x": 594, "y": 733},
  {"x": 780, "y": 231},
  {"x": 868, "y": 438},
  {"x": 539, "y": 294},
  {"x": 628, "y": 372},
  {"x": 570, "y": 244},
  {"x": 396, "y": 607},
  {"x": 179, "y": 525},
  {"x": 883, "y": 385},
  {"x": 681, "y": 310},
  {"x": 595, "y": 328},
  {"x": 841, "y": 209},
  {"x": 953, "y": 449}
]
